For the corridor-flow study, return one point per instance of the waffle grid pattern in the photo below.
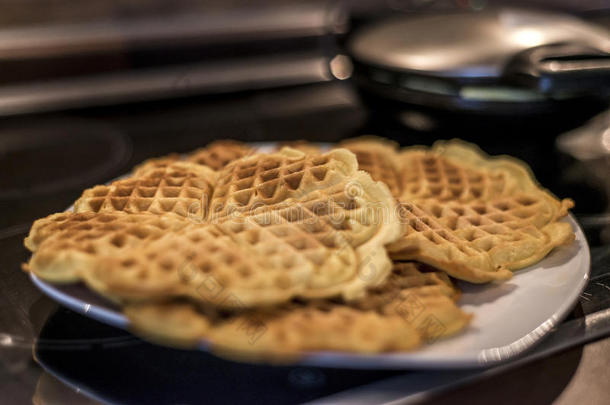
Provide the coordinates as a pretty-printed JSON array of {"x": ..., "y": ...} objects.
[
  {"x": 431, "y": 177},
  {"x": 378, "y": 159},
  {"x": 202, "y": 263},
  {"x": 247, "y": 184},
  {"x": 179, "y": 188}
]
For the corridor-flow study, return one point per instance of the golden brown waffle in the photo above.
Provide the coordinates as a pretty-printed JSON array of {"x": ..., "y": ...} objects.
[
  {"x": 492, "y": 205},
  {"x": 260, "y": 260},
  {"x": 220, "y": 153},
  {"x": 324, "y": 186},
  {"x": 356, "y": 207},
  {"x": 428, "y": 175},
  {"x": 471, "y": 156},
  {"x": 182, "y": 188},
  {"x": 515, "y": 231},
  {"x": 435, "y": 244},
  {"x": 264, "y": 180},
  {"x": 378, "y": 157},
  {"x": 67, "y": 245},
  {"x": 320, "y": 236},
  {"x": 456, "y": 171},
  {"x": 451, "y": 194},
  {"x": 298, "y": 248},
  {"x": 413, "y": 306}
]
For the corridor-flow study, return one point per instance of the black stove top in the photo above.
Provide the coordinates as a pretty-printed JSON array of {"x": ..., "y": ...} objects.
[{"x": 65, "y": 153}]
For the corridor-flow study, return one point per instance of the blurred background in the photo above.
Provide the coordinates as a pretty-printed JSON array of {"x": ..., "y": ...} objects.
[
  {"x": 60, "y": 55},
  {"x": 90, "y": 88}
]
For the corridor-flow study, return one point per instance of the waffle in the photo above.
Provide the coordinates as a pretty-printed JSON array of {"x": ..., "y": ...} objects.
[
  {"x": 259, "y": 263},
  {"x": 415, "y": 305},
  {"x": 493, "y": 205},
  {"x": 329, "y": 243},
  {"x": 439, "y": 173},
  {"x": 456, "y": 171},
  {"x": 428, "y": 175},
  {"x": 379, "y": 158},
  {"x": 437, "y": 245},
  {"x": 320, "y": 236},
  {"x": 327, "y": 186},
  {"x": 181, "y": 188},
  {"x": 361, "y": 213},
  {"x": 469, "y": 214},
  {"x": 516, "y": 231},
  {"x": 264, "y": 180},
  {"x": 472, "y": 157},
  {"x": 68, "y": 244}
]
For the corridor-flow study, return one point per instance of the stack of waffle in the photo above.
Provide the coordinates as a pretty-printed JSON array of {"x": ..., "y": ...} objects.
[{"x": 269, "y": 256}]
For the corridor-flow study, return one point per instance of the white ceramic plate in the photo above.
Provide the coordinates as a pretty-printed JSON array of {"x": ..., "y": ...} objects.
[{"x": 509, "y": 318}]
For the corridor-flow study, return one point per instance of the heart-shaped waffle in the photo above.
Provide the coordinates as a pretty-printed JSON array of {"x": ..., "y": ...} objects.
[
  {"x": 469, "y": 214},
  {"x": 316, "y": 234}
]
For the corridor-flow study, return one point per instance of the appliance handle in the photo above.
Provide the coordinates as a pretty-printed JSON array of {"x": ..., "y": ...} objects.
[{"x": 563, "y": 68}]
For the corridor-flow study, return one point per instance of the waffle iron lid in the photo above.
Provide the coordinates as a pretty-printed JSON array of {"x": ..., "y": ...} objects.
[{"x": 478, "y": 44}]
